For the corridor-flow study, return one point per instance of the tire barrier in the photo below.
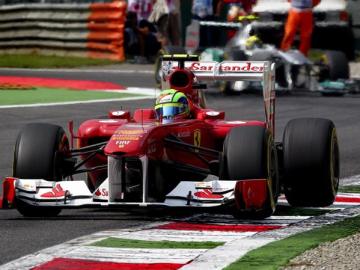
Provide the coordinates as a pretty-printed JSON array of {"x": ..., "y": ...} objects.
[{"x": 85, "y": 30}]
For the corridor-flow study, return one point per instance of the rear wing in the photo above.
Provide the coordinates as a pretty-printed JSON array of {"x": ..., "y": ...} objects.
[{"x": 262, "y": 71}]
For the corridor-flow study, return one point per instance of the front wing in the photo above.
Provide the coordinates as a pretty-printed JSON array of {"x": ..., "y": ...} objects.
[{"x": 70, "y": 194}]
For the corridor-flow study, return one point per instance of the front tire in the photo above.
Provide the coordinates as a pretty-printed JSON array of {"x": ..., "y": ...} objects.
[
  {"x": 311, "y": 162},
  {"x": 337, "y": 64},
  {"x": 39, "y": 154},
  {"x": 249, "y": 153}
]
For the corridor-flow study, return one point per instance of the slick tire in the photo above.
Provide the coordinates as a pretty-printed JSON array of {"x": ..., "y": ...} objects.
[
  {"x": 310, "y": 162},
  {"x": 249, "y": 153},
  {"x": 338, "y": 65},
  {"x": 39, "y": 154}
]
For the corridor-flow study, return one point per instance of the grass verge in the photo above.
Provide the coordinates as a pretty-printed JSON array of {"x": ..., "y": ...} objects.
[
  {"x": 44, "y": 61},
  {"x": 279, "y": 253},
  {"x": 129, "y": 243},
  {"x": 51, "y": 95},
  {"x": 349, "y": 189}
]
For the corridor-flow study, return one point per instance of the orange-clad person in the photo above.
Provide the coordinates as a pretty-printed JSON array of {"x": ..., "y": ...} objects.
[{"x": 300, "y": 17}]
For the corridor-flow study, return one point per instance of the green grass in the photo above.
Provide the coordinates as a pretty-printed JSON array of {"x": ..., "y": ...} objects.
[
  {"x": 349, "y": 189},
  {"x": 43, "y": 61},
  {"x": 279, "y": 253},
  {"x": 128, "y": 243},
  {"x": 46, "y": 95}
]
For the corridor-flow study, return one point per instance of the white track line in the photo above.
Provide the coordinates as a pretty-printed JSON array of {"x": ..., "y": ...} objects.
[
  {"x": 147, "y": 93},
  {"x": 68, "y": 70},
  {"x": 73, "y": 102},
  {"x": 131, "y": 255},
  {"x": 183, "y": 236}
]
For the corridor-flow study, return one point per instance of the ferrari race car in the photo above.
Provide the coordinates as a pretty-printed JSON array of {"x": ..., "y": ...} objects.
[{"x": 200, "y": 162}]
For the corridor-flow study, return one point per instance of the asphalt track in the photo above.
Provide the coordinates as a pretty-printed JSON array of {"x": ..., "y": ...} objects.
[{"x": 22, "y": 236}]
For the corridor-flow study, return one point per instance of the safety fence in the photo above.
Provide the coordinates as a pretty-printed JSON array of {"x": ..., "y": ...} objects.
[{"x": 94, "y": 30}]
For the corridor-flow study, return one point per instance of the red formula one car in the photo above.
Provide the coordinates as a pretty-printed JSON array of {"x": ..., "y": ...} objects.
[{"x": 201, "y": 161}]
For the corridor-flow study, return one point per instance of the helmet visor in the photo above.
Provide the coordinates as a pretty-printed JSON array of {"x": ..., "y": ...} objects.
[{"x": 168, "y": 112}]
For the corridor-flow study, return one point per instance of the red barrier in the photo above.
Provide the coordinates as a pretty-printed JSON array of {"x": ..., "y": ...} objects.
[
  {"x": 83, "y": 30},
  {"x": 106, "y": 24}
]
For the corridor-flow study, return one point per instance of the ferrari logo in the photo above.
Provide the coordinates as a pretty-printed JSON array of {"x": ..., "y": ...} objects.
[{"x": 197, "y": 137}]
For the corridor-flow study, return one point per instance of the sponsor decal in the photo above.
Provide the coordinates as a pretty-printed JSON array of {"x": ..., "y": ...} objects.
[
  {"x": 242, "y": 67},
  {"x": 56, "y": 192},
  {"x": 103, "y": 192},
  {"x": 197, "y": 137},
  {"x": 122, "y": 144},
  {"x": 212, "y": 67},
  {"x": 207, "y": 194},
  {"x": 227, "y": 66},
  {"x": 28, "y": 186},
  {"x": 116, "y": 137},
  {"x": 202, "y": 66},
  {"x": 183, "y": 134},
  {"x": 125, "y": 136},
  {"x": 130, "y": 131}
]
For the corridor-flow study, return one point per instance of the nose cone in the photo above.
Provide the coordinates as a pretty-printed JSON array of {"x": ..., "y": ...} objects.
[{"x": 128, "y": 139}]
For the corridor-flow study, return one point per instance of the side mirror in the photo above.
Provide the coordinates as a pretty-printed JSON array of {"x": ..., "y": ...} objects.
[{"x": 119, "y": 115}]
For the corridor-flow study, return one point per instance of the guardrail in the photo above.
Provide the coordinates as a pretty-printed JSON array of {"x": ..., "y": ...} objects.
[{"x": 93, "y": 30}]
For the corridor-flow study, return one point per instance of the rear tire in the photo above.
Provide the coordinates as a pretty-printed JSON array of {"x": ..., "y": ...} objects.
[
  {"x": 338, "y": 65},
  {"x": 311, "y": 162},
  {"x": 39, "y": 154},
  {"x": 249, "y": 153}
]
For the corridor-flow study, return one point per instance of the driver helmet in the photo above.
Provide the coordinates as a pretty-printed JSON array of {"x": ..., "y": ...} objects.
[
  {"x": 172, "y": 105},
  {"x": 253, "y": 42}
]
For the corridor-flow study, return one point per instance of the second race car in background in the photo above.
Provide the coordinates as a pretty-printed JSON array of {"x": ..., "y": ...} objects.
[
  {"x": 332, "y": 24},
  {"x": 328, "y": 73}
]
